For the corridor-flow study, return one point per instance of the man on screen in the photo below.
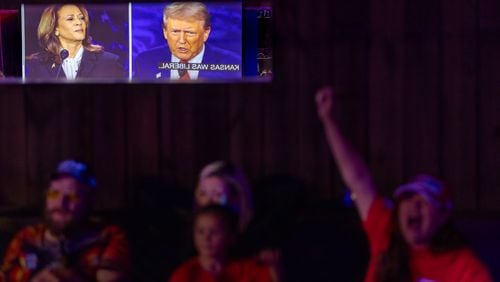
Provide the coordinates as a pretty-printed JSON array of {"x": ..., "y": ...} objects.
[{"x": 188, "y": 56}]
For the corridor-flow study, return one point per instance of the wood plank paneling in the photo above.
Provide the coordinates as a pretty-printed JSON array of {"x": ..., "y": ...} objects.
[
  {"x": 108, "y": 144},
  {"x": 311, "y": 156},
  {"x": 43, "y": 123},
  {"x": 167, "y": 148},
  {"x": 279, "y": 123},
  {"x": 13, "y": 158},
  {"x": 489, "y": 105},
  {"x": 350, "y": 49},
  {"x": 279, "y": 104},
  {"x": 352, "y": 91},
  {"x": 142, "y": 138},
  {"x": 387, "y": 67},
  {"x": 246, "y": 131},
  {"x": 459, "y": 82},
  {"x": 422, "y": 88},
  {"x": 178, "y": 134},
  {"x": 315, "y": 164},
  {"x": 75, "y": 122},
  {"x": 211, "y": 124}
]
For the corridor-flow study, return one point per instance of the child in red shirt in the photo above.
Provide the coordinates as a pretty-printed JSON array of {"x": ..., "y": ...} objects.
[{"x": 215, "y": 229}]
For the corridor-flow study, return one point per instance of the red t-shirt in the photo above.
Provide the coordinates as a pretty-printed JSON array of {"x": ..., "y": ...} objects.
[
  {"x": 454, "y": 266},
  {"x": 245, "y": 270}
]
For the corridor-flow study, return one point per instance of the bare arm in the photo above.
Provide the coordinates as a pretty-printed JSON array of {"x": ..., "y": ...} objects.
[{"x": 353, "y": 169}]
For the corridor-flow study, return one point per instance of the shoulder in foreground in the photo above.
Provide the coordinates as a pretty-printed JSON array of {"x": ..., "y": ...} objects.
[
  {"x": 155, "y": 52},
  {"x": 250, "y": 268},
  {"x": 469, "y": 258},
  {"x": 186, "y": 271},
  {"x": 104, "y": 55},
  {"x": 31, "y": 231},
  {"x": 109, "y": 55}
]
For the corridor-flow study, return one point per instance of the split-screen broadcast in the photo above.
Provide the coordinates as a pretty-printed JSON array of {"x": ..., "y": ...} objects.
[{"x": 154, "y": 42}]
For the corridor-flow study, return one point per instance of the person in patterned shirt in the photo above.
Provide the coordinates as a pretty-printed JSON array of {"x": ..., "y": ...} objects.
[{"x": 67, "y": 246}]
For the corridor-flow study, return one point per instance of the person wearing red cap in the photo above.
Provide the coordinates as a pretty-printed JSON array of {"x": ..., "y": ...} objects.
[
  {"x": 413, "y": 239},
  {"x": 67, "y": 246}
]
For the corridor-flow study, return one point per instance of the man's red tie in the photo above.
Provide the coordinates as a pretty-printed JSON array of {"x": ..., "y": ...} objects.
[{"x": 183, "y": 73}]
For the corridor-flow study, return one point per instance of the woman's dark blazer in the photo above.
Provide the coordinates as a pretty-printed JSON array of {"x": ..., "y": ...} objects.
[{"x": 94, "y": 65}]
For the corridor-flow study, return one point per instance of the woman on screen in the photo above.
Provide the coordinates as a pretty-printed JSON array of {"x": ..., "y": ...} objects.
[{"x": 67, "y": 49}]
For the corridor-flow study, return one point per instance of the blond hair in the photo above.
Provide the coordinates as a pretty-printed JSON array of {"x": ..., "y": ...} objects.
[
  {"x": 187, "y": 10},
  {"x": 235, "y": 178}
]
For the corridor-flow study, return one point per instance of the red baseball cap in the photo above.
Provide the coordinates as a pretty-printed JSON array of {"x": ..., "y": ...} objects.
[{"x": 431, "y": 189}]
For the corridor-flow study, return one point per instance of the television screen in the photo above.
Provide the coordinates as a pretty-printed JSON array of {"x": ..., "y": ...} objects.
[{"x": 145, "y": 42}]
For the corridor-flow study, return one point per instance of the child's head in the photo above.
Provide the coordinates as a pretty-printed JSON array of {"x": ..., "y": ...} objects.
[{"x": 215, "y": 229}]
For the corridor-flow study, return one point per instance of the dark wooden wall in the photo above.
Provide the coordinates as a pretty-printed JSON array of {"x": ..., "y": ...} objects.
[{"x": 418, "y": 85}]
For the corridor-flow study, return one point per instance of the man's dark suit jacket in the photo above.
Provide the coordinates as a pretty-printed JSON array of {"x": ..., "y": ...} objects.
[
  {"x": 146, "y": 64},
  {"x": 94, "y": 65}
]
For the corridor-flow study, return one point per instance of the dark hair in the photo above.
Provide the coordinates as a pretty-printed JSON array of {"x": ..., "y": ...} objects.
[
  {"x": 393, "y": 265},
  {"x": 224, "y": 213}
]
